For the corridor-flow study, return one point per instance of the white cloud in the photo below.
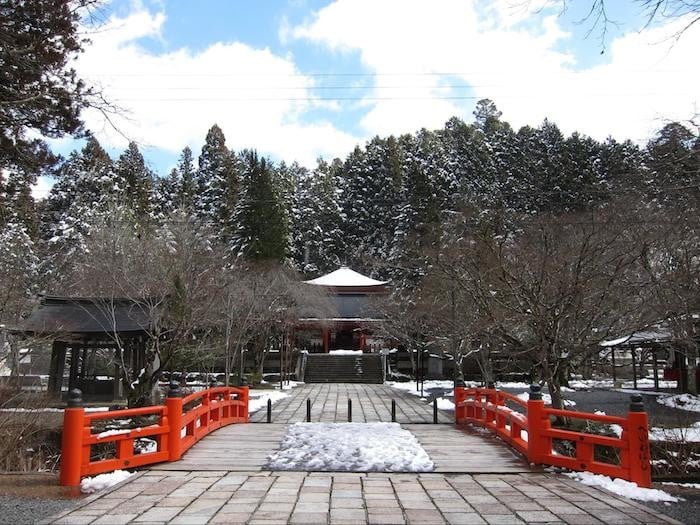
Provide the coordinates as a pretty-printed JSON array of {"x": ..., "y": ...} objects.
[
  {"x": 521, "y": 59},
  {"x": 172, "y": 99}
]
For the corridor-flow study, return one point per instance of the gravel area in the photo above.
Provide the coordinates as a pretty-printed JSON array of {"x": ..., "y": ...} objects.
[
  {"x": 686, "y": 511},
  {"x": 32, "y": 497},
  {"x": 14, "y": 510}
]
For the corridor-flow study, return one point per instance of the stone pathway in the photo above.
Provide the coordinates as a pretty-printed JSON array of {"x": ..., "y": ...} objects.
[
  {"x": 370, "y": 403},
  {"x": 257, "y": 498}
]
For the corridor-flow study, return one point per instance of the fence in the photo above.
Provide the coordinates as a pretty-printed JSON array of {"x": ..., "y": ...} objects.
[
  {"x": 174, "y": 427},
  {"x": 527, "y": 426}
]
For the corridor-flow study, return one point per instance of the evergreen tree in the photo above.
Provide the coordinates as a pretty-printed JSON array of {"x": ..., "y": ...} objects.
[
  {"x": 138, "y": 181},
  {"x": 87, "y": 188},
  {"x": 217, "y": 184},
  {"x": 318, "y": 243},
  {"x": 262, "y": 232}
]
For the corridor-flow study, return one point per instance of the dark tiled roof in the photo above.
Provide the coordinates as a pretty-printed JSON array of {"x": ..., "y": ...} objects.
[{"x": 77, "y": 315}]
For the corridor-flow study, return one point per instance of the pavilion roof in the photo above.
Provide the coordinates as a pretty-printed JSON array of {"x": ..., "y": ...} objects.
[
  {"x": 90, "y": 316},
  {"x": 345, "y": 277}
]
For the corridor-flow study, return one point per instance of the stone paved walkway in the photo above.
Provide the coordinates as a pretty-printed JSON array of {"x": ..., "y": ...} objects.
[
  {"x": 258, "y": 498},
  {"x": 370, "y": 403}
]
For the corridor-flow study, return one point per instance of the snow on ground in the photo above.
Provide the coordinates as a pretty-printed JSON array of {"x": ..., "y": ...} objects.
[
  {"x": 647, "y": 382},
  {"x": 258, "y": 399},
  {"x": 358, "y": 447},
  {"x": 687, "y": 402},
  {"x": 621, "y": 487},
  {"x": 445, "y": 404},
  {"x": 87, "y": 409},
  {"x": 102, "y": 481},
  {"x": 411, "y": 387},
  {"x": 346, "y": 352},
  {"x": 548, "y": 399},
  {"x": 512, "y": 385},
  {"x": 684, "y": 485},
  {"x": 687, "y": 434}
]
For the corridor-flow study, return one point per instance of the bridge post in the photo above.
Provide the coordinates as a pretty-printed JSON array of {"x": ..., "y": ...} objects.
[
  {"x": 269, "y": 410},
  {"x": 245, "y": 398},
  {"x": 435, "y": 412},
  {"x": 538, "y": 446},
  {"x": 308, "y": 410},
  {"x": 637, "y": 434},
  {"x": 349, "y": 410},
  {"x": 393, "y": 411},
  {"x": 72, "y": 440},
  {"x": 460, "y": 411},
  {"x": 174, "y": 410}
]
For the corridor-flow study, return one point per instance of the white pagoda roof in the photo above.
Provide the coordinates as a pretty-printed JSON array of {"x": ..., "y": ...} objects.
[{"x": 344, "y": 276}]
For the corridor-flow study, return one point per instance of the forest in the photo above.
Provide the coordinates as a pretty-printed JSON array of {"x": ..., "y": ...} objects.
[{"x": 525, "y": 241}]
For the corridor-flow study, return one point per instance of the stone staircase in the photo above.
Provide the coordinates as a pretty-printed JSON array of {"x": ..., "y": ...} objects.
[{"x": 328, "y": 368}]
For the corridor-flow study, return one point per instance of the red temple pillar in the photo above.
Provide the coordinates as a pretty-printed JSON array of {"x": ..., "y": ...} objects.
[{"x": 326, "y": 340}]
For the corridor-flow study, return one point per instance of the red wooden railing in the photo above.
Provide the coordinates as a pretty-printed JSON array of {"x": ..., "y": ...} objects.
[
  {"x": 527, "y": 426},
  {"x": 180, "y": 423}
]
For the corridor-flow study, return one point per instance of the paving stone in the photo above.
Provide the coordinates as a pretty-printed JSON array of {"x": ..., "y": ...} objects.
[
  {"x": 310, "y": 518},
  {"x": 346, "y": 503},
  {"x": 580, "y": 519},
  {"x": 533, "y": 516},
  {"x": 159, "y": 514},
  {"x": 501, "y": 519},
  {"x": 231, "y": 517},
  {"x": 190, "y": 519},
  {"x": 424, "y": 516},
  {"x": 466, "y": 518},
  {"x": 114, "y": 519},
  {"x": 347, "y": 514},
  {"x": 72, "y": 519}
]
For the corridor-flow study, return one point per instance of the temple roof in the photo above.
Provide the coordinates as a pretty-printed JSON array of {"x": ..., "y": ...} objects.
[
  {"x": 88, "y": 316},
  {"x": 344, "y": 276}
]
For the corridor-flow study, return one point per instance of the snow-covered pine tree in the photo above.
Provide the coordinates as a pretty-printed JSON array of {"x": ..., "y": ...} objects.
[
  {"x": 138, "y": 181},
  {"x": 87, "y": 189},
  {"x": 262, "y": 233},
  {"x": 217, "y": 183},
  {"x": 318, "y": 242},
  {"x": 370, "y": 201}
]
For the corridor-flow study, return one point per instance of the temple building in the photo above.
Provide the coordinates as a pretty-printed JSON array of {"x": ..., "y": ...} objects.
[{"x": 354, "y": 323}]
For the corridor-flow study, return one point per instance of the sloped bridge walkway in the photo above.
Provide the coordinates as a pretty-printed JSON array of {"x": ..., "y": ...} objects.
[
  {"x": 452, "y": 449},
  {"x": 477, "y": 478}
]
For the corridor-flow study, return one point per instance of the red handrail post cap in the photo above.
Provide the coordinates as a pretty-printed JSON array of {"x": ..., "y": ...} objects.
[
  {"x": 72, "y": 440},
  {"x": 537, "y": 421},
  {"x": 638, "y": 439}
]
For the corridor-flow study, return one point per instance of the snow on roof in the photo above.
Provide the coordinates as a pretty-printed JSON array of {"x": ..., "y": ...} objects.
[
  {"x": 344, "y": 276},
  {"x": 660, "y": 335}
]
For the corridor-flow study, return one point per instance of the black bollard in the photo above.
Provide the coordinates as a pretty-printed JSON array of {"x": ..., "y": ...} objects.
[
  {"x": 269, "y": 410},
  {"x": 393, "y": 411},
  {"x": 435, "y": 412},
  {"x": 308, "y": 410},
  {"x": 349, "y": 410}
]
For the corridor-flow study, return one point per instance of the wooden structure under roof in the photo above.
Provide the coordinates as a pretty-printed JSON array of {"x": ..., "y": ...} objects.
[{"x": 78, "y": 328}]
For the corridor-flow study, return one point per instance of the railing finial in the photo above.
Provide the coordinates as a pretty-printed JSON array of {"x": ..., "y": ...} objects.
[
  {"x": 535, "y": 393},
  {"x": 174, "y": 390},
  {"x": 75, "y": 398},
  {"x": 637, "y": 403}
]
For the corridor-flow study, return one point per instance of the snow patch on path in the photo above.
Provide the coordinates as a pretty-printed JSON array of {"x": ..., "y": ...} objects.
[
  {"x": 354, "y": 447},
  {"x": 102, "y": 481},
  {"x": 258, "y": 399},
  {"x": 621, "y": 487}
]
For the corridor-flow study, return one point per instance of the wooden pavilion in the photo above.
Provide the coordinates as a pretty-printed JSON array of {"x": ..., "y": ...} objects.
[
  {"x": 353, "y": 324},
  {"x": 93, "y": 337}
]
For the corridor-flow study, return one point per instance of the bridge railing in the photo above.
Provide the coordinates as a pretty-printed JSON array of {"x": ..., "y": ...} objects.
[
  {"x": 527, "y": 426},
  {"x": 171, "y": 429}
]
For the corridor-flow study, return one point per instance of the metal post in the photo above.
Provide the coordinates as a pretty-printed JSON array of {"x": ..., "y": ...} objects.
[
  {"x": 349, "y": 410},
  {"x": 269, "y": 410},
  {"x": 614, "y": 368},
  {"x": 634, "y": 369},
  {"x": 656, "y": 371},
  {"x": 308, "y": 410},
  {"x": 393, "y": 411},
  {"x": 435, "y": 411}
]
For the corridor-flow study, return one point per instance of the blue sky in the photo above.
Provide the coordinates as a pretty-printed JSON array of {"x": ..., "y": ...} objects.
[{"x": 300, "y": 79}]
